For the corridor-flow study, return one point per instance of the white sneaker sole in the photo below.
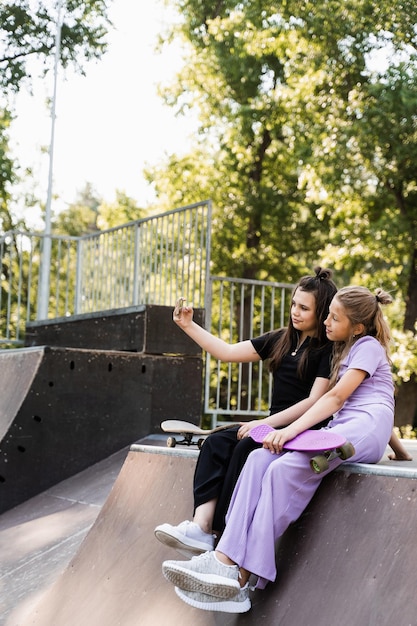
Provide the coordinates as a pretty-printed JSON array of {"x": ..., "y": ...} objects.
[
  {"x": 223, "y": 606},
  {"x": 210, "y": 584},
  {"x": 191, "y": 548}
]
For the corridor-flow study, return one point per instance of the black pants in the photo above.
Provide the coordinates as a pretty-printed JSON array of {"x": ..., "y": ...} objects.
[{"x": 219, "y": 464}]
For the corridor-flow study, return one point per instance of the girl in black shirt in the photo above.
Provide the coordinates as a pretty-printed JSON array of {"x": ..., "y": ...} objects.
[{"x": 300, "y": 362}]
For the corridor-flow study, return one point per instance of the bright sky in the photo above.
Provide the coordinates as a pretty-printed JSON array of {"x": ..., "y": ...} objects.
[{"x": 110, "y": 123}]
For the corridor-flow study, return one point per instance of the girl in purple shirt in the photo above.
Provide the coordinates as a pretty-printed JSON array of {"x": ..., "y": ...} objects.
[{"x": 275, "y": 487}]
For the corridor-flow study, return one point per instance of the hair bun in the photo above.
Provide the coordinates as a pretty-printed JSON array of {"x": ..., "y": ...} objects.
[
  {"x": 382, "y": 297},
  {"x": 322, "y": 273}
]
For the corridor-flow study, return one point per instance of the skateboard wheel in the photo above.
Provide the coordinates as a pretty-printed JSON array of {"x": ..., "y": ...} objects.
[
  {"x": 200, "y": 443},
  {"x": 346, "y": 451},
  {"x": 319, "y": 464},
  {"x": 171, "y": 442}
]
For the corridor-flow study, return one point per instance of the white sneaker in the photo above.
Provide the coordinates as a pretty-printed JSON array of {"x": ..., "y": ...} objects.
[
  {"x": 187, "y": 538},
  {"x": 204, "y": 573},
  {"x": 238, "y": 604}
]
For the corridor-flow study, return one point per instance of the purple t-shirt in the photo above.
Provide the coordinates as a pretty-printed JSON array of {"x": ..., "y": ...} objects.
[{"x": 368, "y": 355}]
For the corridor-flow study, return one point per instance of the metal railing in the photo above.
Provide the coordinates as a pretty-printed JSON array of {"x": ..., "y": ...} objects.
[
  {"x": 242, "y": 309},
  {"x": 148, "y": 261}
]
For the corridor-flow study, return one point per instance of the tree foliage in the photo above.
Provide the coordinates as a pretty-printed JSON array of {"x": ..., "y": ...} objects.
[
  {"x": 28, "y": 30},
  {"x": 27, "y": 45},
  {"x": 6, "y": 172},
  {"x": 89, "y": 213},
  {"x": 307, "y": 141},
  {"x": 123, "y": 210}
]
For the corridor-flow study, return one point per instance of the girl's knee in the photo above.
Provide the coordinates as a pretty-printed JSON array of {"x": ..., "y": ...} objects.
[
  {"x": 245, "y": 446},
  {"x": 259, "y": 458}
]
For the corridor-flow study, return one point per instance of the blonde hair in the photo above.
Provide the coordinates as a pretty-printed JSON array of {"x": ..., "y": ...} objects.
[{"x": 362, "y": 306}]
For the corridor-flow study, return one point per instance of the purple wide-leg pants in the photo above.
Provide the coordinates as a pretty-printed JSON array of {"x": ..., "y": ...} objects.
[{"x": 273, "y": 491}]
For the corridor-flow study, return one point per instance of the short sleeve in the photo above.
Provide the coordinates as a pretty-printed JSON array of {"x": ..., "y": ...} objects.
[{"x": 365, "y": 355}]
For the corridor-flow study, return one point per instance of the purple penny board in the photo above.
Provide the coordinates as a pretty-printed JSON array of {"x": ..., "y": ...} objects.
[{"x": 309, "y": 440}]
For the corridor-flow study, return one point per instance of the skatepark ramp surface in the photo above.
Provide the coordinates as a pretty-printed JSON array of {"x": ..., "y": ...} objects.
[
  {"x": 64, "y": 409},
  {"x": 18, "y": 371},
  {"x": 350, "y": 559}
]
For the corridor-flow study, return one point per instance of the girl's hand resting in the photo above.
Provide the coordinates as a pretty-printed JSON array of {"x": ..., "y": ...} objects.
[
  {"x": 400, "y": 456},
  {"x": 245, "y": 427},
  {"x": 274, "y": 441}
]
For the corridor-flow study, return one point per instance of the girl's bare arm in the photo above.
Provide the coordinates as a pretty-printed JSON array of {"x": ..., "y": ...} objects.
[{"x": 240, "y": 352}]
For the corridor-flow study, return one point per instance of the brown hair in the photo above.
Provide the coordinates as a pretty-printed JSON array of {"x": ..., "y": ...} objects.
[
  {"x": 323, "y": 288},
  {"x": 362, "y": 307}
]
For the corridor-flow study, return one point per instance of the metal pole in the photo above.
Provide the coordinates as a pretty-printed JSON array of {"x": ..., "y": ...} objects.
[{"x": 43, "y": 294}]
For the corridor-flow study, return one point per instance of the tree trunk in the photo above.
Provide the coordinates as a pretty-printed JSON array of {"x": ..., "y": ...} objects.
[
  {"x": 406, "y": 401},
  {"x": 410, "y": 316}
]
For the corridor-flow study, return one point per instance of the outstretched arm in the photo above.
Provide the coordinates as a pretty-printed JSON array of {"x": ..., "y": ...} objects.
[
  {"x": 241, "y": 352},
  {"x": 400, "y": 453}
]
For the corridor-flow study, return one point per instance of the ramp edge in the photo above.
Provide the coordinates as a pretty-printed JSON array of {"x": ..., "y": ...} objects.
[
  {"x": 138, "y": 447},
  {"x": 378, "y": 469}
]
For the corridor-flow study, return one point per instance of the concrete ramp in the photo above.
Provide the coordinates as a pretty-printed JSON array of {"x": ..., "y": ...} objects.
[
  {"x": 64, "y": 409},
  {"x": 349, "y": 560},
  {"x": 18, "y": 370}
]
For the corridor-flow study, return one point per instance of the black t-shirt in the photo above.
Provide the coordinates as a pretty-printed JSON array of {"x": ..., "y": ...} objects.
[{"x": 288, "y": 387}]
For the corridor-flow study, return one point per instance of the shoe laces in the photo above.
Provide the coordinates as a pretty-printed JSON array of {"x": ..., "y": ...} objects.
[{"x": 202, "y": 557}]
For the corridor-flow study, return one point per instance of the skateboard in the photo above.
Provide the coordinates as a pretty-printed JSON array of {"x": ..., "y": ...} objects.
[
  {"x": 330, "y": 445},
  {"x": 188, "y": 432}
]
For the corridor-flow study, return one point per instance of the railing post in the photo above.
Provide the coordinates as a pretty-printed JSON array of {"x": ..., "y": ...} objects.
[
  {"x": 78, "y": 278},
  {"x": 43, "y": 294},
  {"x": 136, "y": 252},
  {"x": 207, "y": 277}
]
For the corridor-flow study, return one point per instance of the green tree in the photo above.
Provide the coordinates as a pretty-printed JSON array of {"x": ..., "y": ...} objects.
[
  {"x": 372, "y": 214},
  {"x": 89, "y": 213},
  {"x": 27, "y": 31},
  {"x": 123, "y": 210},
  {"x": 246, "y": 159},
  {"x": 6, "y": 173},
  {"x": 306, "y": 151},
  {"x": 81, "y": 217},
  {"x": 27, "y": 45}
]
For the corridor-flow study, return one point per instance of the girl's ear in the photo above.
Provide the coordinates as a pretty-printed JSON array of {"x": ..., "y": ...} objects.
[{"x": 358, "y": 329}]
